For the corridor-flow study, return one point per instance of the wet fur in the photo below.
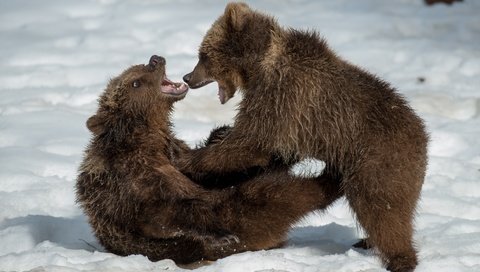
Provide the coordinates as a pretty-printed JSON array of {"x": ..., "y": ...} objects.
[
  {"x": 301, "y": 100},
  {"x": 137, "y": 202}
]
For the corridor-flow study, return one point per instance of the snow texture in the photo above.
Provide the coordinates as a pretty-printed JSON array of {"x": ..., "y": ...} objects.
[{"x": 57, "y": 55}]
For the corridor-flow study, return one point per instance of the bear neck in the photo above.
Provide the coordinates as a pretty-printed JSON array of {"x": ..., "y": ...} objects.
[
  {"x": 156, "y": 129},
  {"x": 276, "y": 80},
  {"x": 130, "y": 133}
]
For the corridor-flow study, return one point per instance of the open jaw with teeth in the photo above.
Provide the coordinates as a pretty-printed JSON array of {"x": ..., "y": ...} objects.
[
  {"x": 173, "y": 88},
  {"x": 222, "y": 96},
  {"x": 221, "y": 91}
]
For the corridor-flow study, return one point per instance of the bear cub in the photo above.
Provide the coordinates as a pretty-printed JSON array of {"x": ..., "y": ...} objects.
[
  {"x": 301, "y": 100},
  {"x": 138, "y": 202}
]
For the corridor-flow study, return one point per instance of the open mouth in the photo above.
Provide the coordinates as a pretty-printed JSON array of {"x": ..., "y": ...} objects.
[
  {"x": 222, "y": 95},
  {"x": 173, "y": 88},
  {"x": 201, "y": 84}
]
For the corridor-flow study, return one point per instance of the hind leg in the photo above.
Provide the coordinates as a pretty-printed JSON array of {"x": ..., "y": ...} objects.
[
  {"x": 261, "y": 211},
  {"x": 385, "y": 211}
]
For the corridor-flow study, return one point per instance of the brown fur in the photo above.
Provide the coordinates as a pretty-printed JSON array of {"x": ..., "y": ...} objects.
[
  {"x": 301, "y": 100},
  {"x": 137, "y": 202}
]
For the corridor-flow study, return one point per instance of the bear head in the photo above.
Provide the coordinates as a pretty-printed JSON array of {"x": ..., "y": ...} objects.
[
  {"x": 138, "y": 95},
  {"x": 236, "y": 42}
]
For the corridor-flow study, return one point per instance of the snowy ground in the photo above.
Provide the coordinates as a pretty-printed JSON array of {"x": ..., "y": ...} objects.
[{"x": 57, "y": 55}]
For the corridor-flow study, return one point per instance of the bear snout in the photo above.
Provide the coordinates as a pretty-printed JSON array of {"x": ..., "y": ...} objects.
[
  {"x": 156, "y": 60},
  {"x": 187, "y": 77}
]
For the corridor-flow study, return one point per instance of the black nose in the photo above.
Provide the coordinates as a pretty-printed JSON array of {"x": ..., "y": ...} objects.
[
  {"x": 187, "y": 77},
  {"x": 156, "y": 60}
]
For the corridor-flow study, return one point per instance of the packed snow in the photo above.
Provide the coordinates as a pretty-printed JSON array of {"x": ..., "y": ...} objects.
[{"x": 57, "y": 56}]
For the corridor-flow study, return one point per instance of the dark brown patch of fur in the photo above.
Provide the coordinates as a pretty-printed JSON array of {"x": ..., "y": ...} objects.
[
  {"x": 300, "y": 100},
  {"x": 137, "y": 202}
]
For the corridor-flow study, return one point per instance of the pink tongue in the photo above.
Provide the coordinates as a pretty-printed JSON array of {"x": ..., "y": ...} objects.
[
  {"x": 168, "y": 81},
  {"x": 170, "y": 89}
]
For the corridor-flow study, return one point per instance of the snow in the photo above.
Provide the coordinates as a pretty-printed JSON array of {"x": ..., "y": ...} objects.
[{"x": 57, "y": 55}]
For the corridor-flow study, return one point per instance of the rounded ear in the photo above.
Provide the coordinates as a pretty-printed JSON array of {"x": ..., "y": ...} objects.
[
  {"x": 236, "y": 14},
  {"x": 95, "y": 124}
]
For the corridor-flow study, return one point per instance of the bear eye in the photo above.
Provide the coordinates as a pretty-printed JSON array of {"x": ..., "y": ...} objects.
[{"x": 136, "y": 84}]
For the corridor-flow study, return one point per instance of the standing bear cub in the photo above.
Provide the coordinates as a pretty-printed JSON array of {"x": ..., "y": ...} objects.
[
  {"x": 301, "y": 100},
  {"x": 137, "y": 201}
]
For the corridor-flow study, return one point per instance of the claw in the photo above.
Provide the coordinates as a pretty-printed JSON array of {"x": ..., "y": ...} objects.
[
  {"x": 230, "y": 239},
  {"x": 211, "y": 241}
]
